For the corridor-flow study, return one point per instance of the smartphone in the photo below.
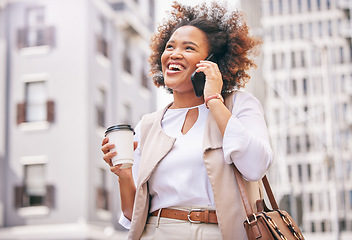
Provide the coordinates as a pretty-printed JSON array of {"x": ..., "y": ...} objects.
[{"x": 198, "y": 80}]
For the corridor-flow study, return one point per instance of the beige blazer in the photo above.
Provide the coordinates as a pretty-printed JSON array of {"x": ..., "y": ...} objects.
[{"x": 155, "y": 145}]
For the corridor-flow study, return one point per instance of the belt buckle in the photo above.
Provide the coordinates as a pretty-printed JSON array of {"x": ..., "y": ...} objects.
[{"x": 189, "y": 215}]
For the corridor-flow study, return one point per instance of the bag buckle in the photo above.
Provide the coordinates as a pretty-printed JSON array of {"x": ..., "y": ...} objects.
[
  {"x": 255, "y": 219},
  {"x": 189, "y": 215}
]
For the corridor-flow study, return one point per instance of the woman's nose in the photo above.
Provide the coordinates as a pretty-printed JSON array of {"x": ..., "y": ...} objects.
[{"x": 176, "y": 55}]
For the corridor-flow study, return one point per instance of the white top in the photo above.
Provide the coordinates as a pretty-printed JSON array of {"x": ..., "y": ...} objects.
[{"x": 180, "y": 179}]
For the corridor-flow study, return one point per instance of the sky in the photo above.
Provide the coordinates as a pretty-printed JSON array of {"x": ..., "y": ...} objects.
[{"x": 162, "y": 6}]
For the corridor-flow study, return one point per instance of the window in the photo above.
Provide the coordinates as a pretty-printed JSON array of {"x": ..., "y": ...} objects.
[
  {"x": 289, "y": 6},
  {"x": 34, "y": 184},
  {"x": 101, "y": 108},
  {"x": 298, "y": 144},
  {"x": 36, "y": 107},
  {"x": 309, "y": 170},
  {"x": 320, "y": 28},
  {"x": 280, "y": 7},
  {"x": 323, "y": 228},
  {"x": 312, "y": 228},
  {"x": 274, "y": 61},
  {"x": 341, "y": 56},
  {"x": 316, "y": 56},
  {"x": 293, "y": 60},
  {"x": 301, "y": 31},
  {"x": 294, "y": 87},
  {"x": 289, "y": 170},
  {"x": 126, "y": 59},
  {"x": 127, "y": 110},
  {"x": 310, "y": 29},
  {"x": 34, "y": 191},
  {"x": 144, "y": 78},
  {"x": 311, "y": 204},
  {"x": 298, "y": 207},
  {"x": 35, "y": 26},
  {"x": 271, "y": 7},
  {"x": 35, "y": 101},
  {"x": 35, "y": 32},
  {"x": 350, "y": 51},
  {"x": 305, "y": 90},
  {"x": 342, "y": 225},
  {"x": 101, "y": 38},
  {"x": 272, "y": 33},
  {"x": 300, "y": 174},
  {"x": 330, "y": 28},
  {"x": 288, "y": 144},
  {"x": 299, "y": 5},
  {"x": 303, "y": 60},
  {"x": 343, "y": 84},
  {"x": 292, "y": 31},
  {"x": 283, "y": 63},
  {"x": 308, "y": 143},
  {"x": 328, "y": 4},
  {"x": 103, "y": 201},
  {"x": 282, "y": 32}
]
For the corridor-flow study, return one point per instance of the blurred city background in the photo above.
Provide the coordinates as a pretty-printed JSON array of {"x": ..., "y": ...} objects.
[{"x": 71, "y": 68}]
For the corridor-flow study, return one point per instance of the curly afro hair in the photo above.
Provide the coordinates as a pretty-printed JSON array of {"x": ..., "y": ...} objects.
[{"x": 227, "y": 33}]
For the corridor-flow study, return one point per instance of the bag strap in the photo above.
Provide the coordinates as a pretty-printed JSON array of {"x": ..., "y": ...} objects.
[
  {"x": 247, "y": 206},
  {"x": 269, "y": 192},
  {"x": 244, "y": 195}
]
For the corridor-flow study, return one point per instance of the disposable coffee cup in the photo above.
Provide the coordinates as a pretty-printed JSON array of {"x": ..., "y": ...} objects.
[{"x": 122, "y": 136}]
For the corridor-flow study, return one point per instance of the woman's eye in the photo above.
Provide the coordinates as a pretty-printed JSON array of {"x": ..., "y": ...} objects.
[{"x": 168, "y": 46}]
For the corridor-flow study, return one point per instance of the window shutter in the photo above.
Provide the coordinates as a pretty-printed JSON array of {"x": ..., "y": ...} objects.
[
  {"x": 100, "y": 198},
  {"x": 50, "y": 36},
  {"x": 21, "y": 113},
  {"x": 21, "y": 38},
  {"x": 105, "y": 48},
  {"x": 50, "y": 106},
  {"x": 99, "y": 43},
  {"x": 100, "y": 116},
  {"x": 50, "y": 196},
  {"x": 127, "y": 62},
  {"x": 107, "y": 198},
  {"x": 19, "y": 191},
  {"x": 103, "y": 201}
]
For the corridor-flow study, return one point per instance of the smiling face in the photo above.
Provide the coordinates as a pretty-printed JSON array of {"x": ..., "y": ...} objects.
[{"x": 186, "y": 47}]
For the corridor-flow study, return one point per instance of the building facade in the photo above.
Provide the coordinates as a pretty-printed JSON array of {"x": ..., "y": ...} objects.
[
  {"x": 2, "y": 111},
  {"x": 307, "y": 77},
  {"x": 68, "y": 70}
]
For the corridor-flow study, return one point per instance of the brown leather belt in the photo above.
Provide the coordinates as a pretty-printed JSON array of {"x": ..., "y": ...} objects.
[{"x": 193, "y": 216}]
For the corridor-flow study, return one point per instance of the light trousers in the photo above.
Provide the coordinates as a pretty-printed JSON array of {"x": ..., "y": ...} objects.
[{"x": 159, "y": 228}]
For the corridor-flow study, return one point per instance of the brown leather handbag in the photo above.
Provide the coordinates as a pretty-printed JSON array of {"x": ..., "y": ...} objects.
[{"x": 266, "y": 224}]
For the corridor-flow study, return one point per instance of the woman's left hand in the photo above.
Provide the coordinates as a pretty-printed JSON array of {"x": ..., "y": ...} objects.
[{"x": 213, "y": 83}]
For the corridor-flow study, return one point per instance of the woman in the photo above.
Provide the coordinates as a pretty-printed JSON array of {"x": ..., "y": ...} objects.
[{"x": 182, "y": 184}]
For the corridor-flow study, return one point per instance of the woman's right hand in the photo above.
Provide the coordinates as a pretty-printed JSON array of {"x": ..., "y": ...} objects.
[{"x": 108, "y": 155}]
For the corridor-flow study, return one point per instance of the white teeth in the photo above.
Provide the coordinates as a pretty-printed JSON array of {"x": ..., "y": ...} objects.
[{"x": 175, "y": 67}]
